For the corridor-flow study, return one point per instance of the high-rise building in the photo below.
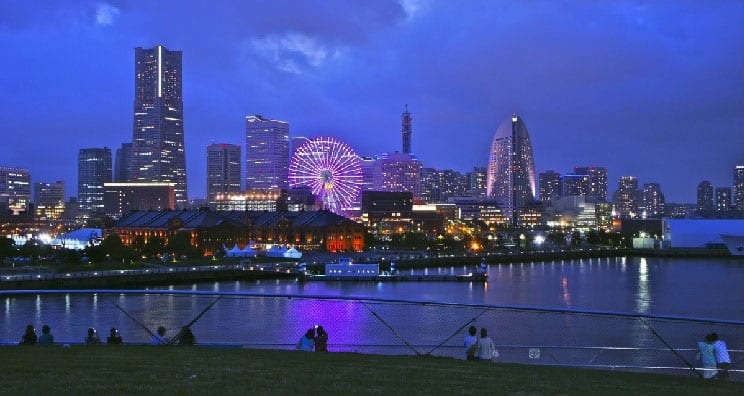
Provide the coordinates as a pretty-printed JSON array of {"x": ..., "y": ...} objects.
[
  {"x": 406, "y": 130},
  {"x": 123, "y": 163},
  {"x": 453, "y": 184},
  {"x": 223, "y": 171},
  {"x": 738, "y": 190},
  {"x": 705, "y": 202},
  {"x": 430, "y": 185},
  {"x": 723, "y": 199},
  {"x": 158, "y": 152},
  {"x": 511, "y": 168},
  {"x": 439, "y": 185},
  {"x": 397, "y": 172},
  {"x": 477, "y": 181},
  {"x": 49, "y": 199},
  {"x": 652, "y": 201},
  {"x": 576, "y": 185},
  {"x": 368, "y": 173},
  {"x": 121, "y": 198},
  {"x": 94, "y": 169},
  {"x": 15, "y": 189},
  {"x": 551, "y": 186},
  {"x": 626, "y": 197},
  {"x": 597, "y": 181},
  {"x": 266, "y": 153}
]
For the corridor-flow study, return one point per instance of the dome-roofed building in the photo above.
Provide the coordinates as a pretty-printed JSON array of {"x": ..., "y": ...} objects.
[{"x": 511, "y": 168}]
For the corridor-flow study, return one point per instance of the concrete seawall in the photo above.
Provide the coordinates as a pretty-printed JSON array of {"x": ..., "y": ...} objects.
[{"x": 138, "y": 280}]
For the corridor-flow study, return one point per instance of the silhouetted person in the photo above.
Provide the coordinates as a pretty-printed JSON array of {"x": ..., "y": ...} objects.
[
  {"x": 159, "y": 338},
  {"x": 29, "y": 336},
  {"x": 186, "y": 337},
  {"x": 321, "y": 339},
  {"x": 114, "y": 338},
  {"x": 92, "y": 338},
  {"x": 46, "y": 337}
]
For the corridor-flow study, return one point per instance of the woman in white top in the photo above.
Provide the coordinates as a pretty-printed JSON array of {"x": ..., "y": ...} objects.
[{"x": 486, "y": 347}]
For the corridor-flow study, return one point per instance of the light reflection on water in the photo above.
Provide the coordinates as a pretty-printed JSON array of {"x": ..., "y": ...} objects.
[{"x": 660, "y": 286}]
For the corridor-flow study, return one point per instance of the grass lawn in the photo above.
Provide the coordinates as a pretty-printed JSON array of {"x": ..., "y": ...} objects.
[{"x": 201, "y": 370}]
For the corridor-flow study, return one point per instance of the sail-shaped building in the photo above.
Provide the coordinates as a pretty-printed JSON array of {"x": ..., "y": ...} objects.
[{"x": 511, "y": 168}]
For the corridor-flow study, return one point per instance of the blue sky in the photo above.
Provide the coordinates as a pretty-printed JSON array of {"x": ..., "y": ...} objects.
[{"x": 653, "y": 89}]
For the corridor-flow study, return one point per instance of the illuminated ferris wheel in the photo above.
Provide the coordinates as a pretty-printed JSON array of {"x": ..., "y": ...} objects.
[{"x": 332, "y": 171}]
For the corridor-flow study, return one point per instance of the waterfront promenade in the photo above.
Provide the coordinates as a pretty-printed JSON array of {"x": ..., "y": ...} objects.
[{"x": 47, "y": 277}]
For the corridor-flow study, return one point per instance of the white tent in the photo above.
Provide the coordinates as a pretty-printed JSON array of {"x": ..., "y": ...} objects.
[
  {"x": 293, "y": 253},
  {"x": 276, "y": 251},
  {"x": 248, "y": 252}
]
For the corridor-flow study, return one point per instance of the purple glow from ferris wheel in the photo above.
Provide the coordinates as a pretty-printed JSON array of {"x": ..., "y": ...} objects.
[{"x": 332, "y": 171}]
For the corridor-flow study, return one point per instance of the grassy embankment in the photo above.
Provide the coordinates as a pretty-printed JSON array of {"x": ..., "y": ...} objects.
[{"x": 164, "y": 370}]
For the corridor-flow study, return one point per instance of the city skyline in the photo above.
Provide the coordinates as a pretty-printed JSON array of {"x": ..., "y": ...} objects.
[{"x": 630, "y": 87}]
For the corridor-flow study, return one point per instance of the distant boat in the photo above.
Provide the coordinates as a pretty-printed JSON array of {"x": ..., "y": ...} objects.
[{"x": 734, "y": 243}]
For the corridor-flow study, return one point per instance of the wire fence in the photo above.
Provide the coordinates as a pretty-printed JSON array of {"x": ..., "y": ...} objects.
[{"x": 524, "y": 335}]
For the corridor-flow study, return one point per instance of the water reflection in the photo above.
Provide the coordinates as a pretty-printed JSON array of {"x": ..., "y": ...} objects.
[
  {"x": 643, "y": 295},
  {"x": 566, "y": 292}
]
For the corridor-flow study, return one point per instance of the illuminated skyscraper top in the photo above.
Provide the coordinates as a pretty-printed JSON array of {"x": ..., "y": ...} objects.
[
  {"x": 406, "y": 130},
  {"x": 511, "y": 168},
  {"x": 158, "y": 153}
]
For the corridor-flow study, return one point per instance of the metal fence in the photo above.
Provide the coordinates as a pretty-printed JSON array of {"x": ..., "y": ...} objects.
[{"x": 524, "y": 335}]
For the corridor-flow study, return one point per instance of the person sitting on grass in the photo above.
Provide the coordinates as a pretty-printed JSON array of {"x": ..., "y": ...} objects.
[
  {"x": 185, "y": 337},
  {"x": 471, "y": 344},
  {"x": 92, "y": 338},
  {"x": 46, "y": 337},
  {"x": 114, "y": 338},
  {"x": 159, "y": 339},
  {"x": 485, "y": 347},
  {"x": 29, "y": 336},
  {"x": 306, "y": 342},
  {"x": 321, "y": 339}
]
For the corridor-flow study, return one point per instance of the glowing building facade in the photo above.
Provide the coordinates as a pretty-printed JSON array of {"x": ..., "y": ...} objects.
[
  {"x": 94, "y": 169},
  {"x": 511, "y": 168},
  {"x": 49, "y": 199},
  {"x": 398, "y": 172},
  {"x": 223, "y": 171},
  {"x": 158, "y": 153},
  {"x": 15, "y": 189},
  {"x": 266, "y": 153}
]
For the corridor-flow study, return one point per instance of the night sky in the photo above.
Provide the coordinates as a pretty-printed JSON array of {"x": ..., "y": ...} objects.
[{"x": 653, "y": 89}]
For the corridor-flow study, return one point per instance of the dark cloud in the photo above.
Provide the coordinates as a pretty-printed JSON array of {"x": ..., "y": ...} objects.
[{"x": 652, "y": 89}]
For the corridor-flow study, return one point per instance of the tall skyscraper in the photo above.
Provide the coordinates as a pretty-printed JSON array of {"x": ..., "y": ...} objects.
[
  {"x": 597, "y": 181},
  {"x": 738, "y": 190},
  {"x": 396, "y": 172},
  {"x": 511, "y": 168},
  {"x": 551, "y": 186},
  {"x": 723, "y": 199},
  {"x": 49, "y": 199},
  {"x": 406, "y": 130},
  {"x": 158, "y": 153},
  {"x": 705, "y": 197},
  {"x": 652, "y": 201},
  {"x": 94, "y": 169},
  {"x": 123, "y": 163},
  {"x": 477, "y": 181},
  {"x": 576, "y": 185},
  {"x": 15, "y": 189},
  {"x": 266, "y": 153},
  {"x": 223, "y": 171},
  {"x": 626, "y": 197}
]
